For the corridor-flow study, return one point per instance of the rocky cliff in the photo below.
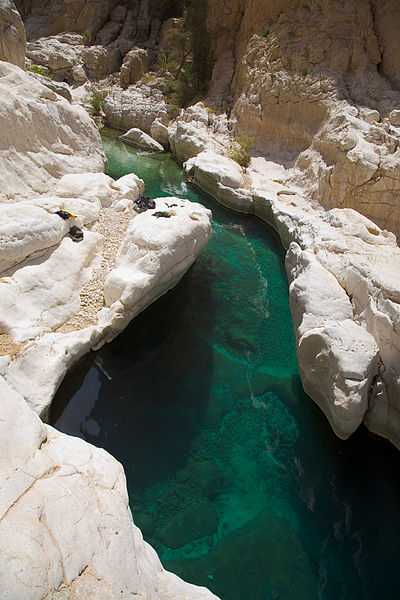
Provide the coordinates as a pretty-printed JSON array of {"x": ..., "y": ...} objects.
[
  {"x": 124, "y": 23},
  {"x": 316, "y": 85},
  {"x": 77, "y": 263},
  {"x": 12, "y": 34},
  {"x": 299, "y": 125}
]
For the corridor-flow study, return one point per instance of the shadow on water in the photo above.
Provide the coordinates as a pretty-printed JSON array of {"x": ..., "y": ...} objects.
[
  {"x": 120, "y": 398},
  {"x": 234, "y": 475}
]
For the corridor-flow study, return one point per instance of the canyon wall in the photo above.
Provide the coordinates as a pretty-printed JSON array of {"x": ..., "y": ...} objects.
[
  {"x": 77, "y": 263},
  {"x": 315, "y": 84},
  {"x": 102, "y": 21},
  {"x": 12, "y": 34}
]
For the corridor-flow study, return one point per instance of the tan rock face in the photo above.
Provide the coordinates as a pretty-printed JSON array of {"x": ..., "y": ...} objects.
[
  {"x": 135, "y": 65},
  {"x": 136, "y": 107},
  {"x": 314, "y": 86},
  {"x": 12, "y": 34}
]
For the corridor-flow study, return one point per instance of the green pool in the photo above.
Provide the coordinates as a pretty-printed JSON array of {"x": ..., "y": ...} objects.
[{"x": 234, "y": 476}]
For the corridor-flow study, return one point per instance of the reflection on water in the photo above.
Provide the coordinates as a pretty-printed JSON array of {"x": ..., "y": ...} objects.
[{"x": 234, "y": 476}]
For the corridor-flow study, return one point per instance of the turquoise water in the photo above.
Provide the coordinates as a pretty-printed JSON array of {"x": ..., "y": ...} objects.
[{"x": 234, "y": 476}]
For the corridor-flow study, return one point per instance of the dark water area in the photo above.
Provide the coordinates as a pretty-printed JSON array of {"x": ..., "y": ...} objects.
[{"x": 234, "y": 476}]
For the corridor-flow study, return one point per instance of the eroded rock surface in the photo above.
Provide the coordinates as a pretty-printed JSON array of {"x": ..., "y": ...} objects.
[
  {"x": 136, "y": 107},
  {"x": 12, "y": 34},
  {"x": 139, "y": 139},
  {"x": 43, "y": 136},
  {"x": 315, "y": 85},
  {"x": 65, "y": 525},
  {"x": 344, "y": 292},
  {"x": 77, "y": 263}
]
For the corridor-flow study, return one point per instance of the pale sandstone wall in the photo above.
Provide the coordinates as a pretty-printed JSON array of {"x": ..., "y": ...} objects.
[
  {"x": 315, "y": 85},
  {"x": 12, "y": 34}
]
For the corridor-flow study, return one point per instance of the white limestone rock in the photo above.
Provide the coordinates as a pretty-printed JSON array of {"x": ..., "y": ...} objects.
[
  {"x": 25, "y": 230},
  {"x": 140, "y": 139},
  {"x": 338, "y": 358},
  {"x": 222, "y": 178},
  {"x": 91, "y": 187},
  {"x": 100, "y": 62},
  {"x": 59, "y": 87},
  {"x": 196, "y": 130},
  {"x": 345, "y": 292},
  {"x": 93, "y": 289},
  {"x": 40, "y": 297},
  {"x": 59, "y": 53},
  {"x": 135, "y": 65},
  {"x": 156, "y": 250},
  {"x": 43, "y": 137},
  {"x": 137, "y": 106},
  {"x": 65, "y": 525},
  {"x": 159, "y": 132}
]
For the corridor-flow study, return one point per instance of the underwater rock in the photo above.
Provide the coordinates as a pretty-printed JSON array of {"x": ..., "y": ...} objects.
[
  {"x": 268, "y": 540},
  {"x": 197, "y": 521}
]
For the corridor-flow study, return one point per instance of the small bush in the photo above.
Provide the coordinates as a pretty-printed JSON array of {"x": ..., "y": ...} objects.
[
  {"x": 87, "y": 38},
  {"x": 39, "y": 70},
  {"x": 96, "y": 101},
  {"x": 149, "y": 78},
  {"x": 240, "y": 150},
  {"x": 166, "y": 64}
]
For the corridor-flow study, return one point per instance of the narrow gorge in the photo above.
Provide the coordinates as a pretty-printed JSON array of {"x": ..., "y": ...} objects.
[{"x": 199, "y": 299}]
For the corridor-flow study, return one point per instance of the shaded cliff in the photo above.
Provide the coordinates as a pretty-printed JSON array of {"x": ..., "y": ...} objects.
[{"x": 103, "y": 21}]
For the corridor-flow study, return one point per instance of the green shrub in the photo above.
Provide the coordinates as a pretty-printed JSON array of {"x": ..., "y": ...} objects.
[
  {"x": 240, "y": 150},
  {"x": 39, "y": 70},
  {"x": 96, "y": 101},
  {"x": 149, "y": 78},
  {"x": 166, "y": 63},
  {"x": 87, "y": 38}
]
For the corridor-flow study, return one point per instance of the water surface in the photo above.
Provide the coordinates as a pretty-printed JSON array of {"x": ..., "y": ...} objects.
[{"x": 234, "y": 476}]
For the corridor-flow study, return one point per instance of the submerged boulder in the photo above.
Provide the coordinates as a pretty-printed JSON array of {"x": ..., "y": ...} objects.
[{"x": 197, "y": 521}]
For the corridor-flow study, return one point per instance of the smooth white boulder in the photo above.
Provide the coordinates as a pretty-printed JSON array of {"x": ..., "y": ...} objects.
[
  {"x": 39, "y": 297},
  {"x": 138, "y": 138},
  {"x": 43, "y": 137},
  {"x": 66, "y": 529},
  {"x": 222, "y": 178},
  {"x": 338, "y": 358},
  {"x": 98, "y": 189},
  {"x": 25, "y": 230},
  {"x": 156, "y": 250},
  {"x": 88, "y": 186}
]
